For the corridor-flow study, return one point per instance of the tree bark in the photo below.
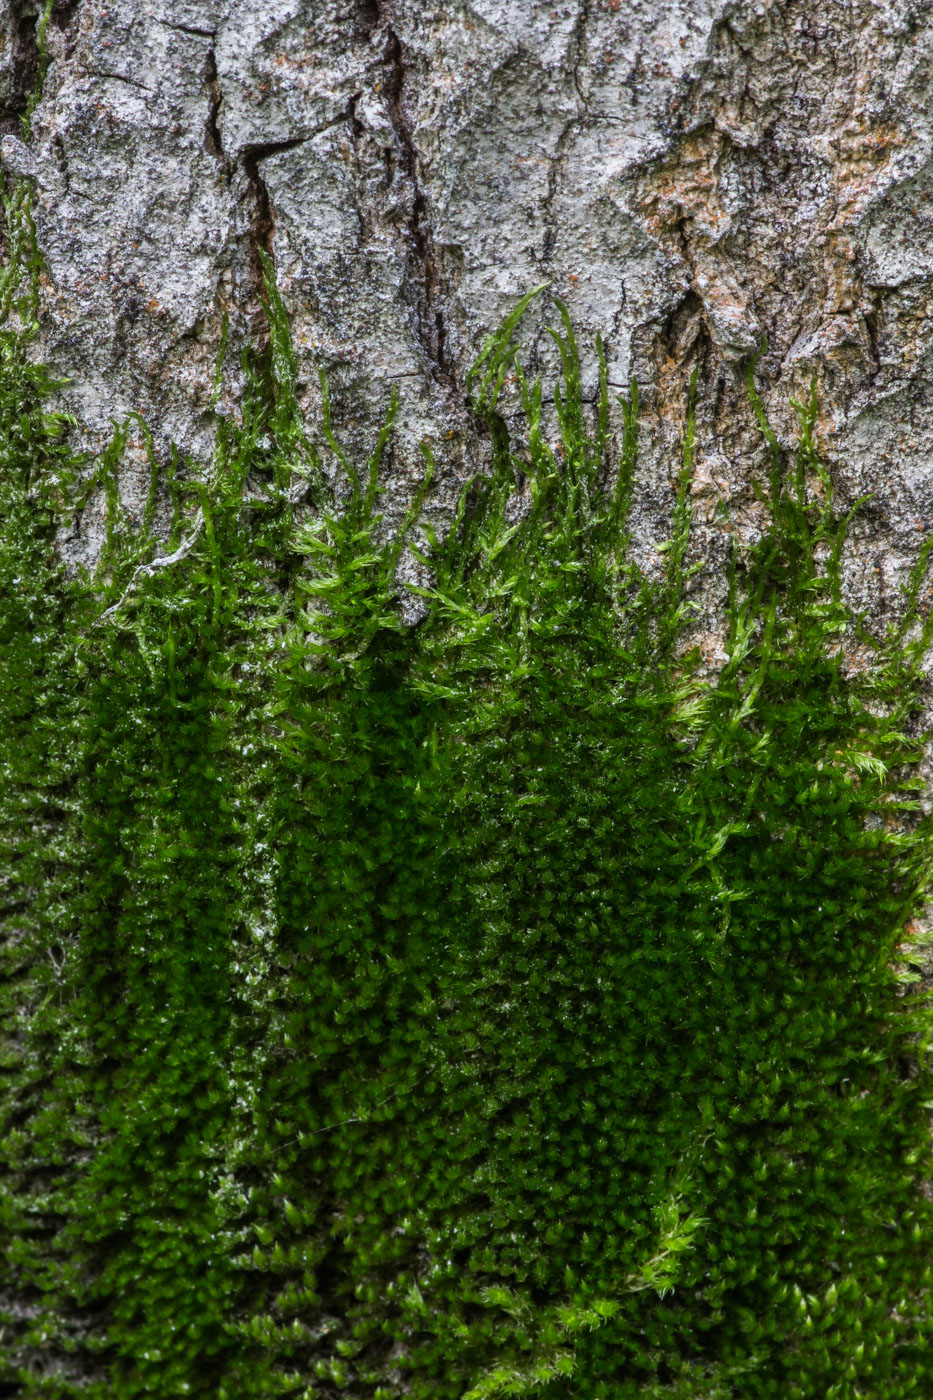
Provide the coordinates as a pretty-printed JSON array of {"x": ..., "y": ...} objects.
[{"x": 688, "y": 177}]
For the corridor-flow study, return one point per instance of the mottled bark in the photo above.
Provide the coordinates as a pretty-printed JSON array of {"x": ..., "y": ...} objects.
[{"x": 687, "y": 176}]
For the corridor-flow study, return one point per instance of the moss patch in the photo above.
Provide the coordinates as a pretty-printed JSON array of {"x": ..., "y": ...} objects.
[{"x": 485, "y": 1007}]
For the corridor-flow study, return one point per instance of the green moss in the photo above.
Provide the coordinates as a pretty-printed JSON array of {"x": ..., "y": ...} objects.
[{"x": 485, "y": 1007}]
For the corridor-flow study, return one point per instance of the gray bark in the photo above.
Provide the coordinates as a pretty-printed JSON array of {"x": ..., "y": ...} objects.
[{"x": 687, "y": 174}]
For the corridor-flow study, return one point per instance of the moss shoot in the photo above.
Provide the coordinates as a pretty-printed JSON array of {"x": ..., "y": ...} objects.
[{"x": 486, "y": 1007}]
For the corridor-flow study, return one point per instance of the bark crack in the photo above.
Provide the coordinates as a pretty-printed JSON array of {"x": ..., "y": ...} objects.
[
  {"x": 873, "y": 321},
  {"x": 117, "y": 77},
  {"x": 577, "y": 49},
  {"x": 430, "y": 321},
  {"x": 213, "y": 141},
  {"x": 188, "y": 29},
  {"x": 262, "y": 218},
  {"x": 61, "y": 160},
  {"x": 261, "y": 228},
  {"x": 549, "y": 213},
  {"x": 617, "y": 315},
  {"x": 261, "y": 232}
]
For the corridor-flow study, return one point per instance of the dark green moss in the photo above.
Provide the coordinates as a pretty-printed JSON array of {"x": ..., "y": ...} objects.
[{"x": 484, "y": 1007}]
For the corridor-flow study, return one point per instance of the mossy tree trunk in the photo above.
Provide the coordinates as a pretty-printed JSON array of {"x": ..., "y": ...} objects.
[{"x": 519, "y": 1002}]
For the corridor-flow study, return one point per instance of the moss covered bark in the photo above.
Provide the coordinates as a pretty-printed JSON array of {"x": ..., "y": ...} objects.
[{"x": 488, "y": 1006}]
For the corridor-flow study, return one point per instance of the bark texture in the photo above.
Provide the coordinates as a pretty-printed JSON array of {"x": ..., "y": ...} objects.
[{"x": 687, "y": 174}]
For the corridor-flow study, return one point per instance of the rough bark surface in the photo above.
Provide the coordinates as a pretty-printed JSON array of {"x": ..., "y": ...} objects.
[{"x": 687, "y": 174}]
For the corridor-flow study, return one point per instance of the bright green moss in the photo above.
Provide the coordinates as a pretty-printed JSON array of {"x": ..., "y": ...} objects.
[{"x": 486, "y": 1007}]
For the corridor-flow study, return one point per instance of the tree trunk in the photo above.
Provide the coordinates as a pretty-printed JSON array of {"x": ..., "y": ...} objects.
[{"x": 711, "y": 188}]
